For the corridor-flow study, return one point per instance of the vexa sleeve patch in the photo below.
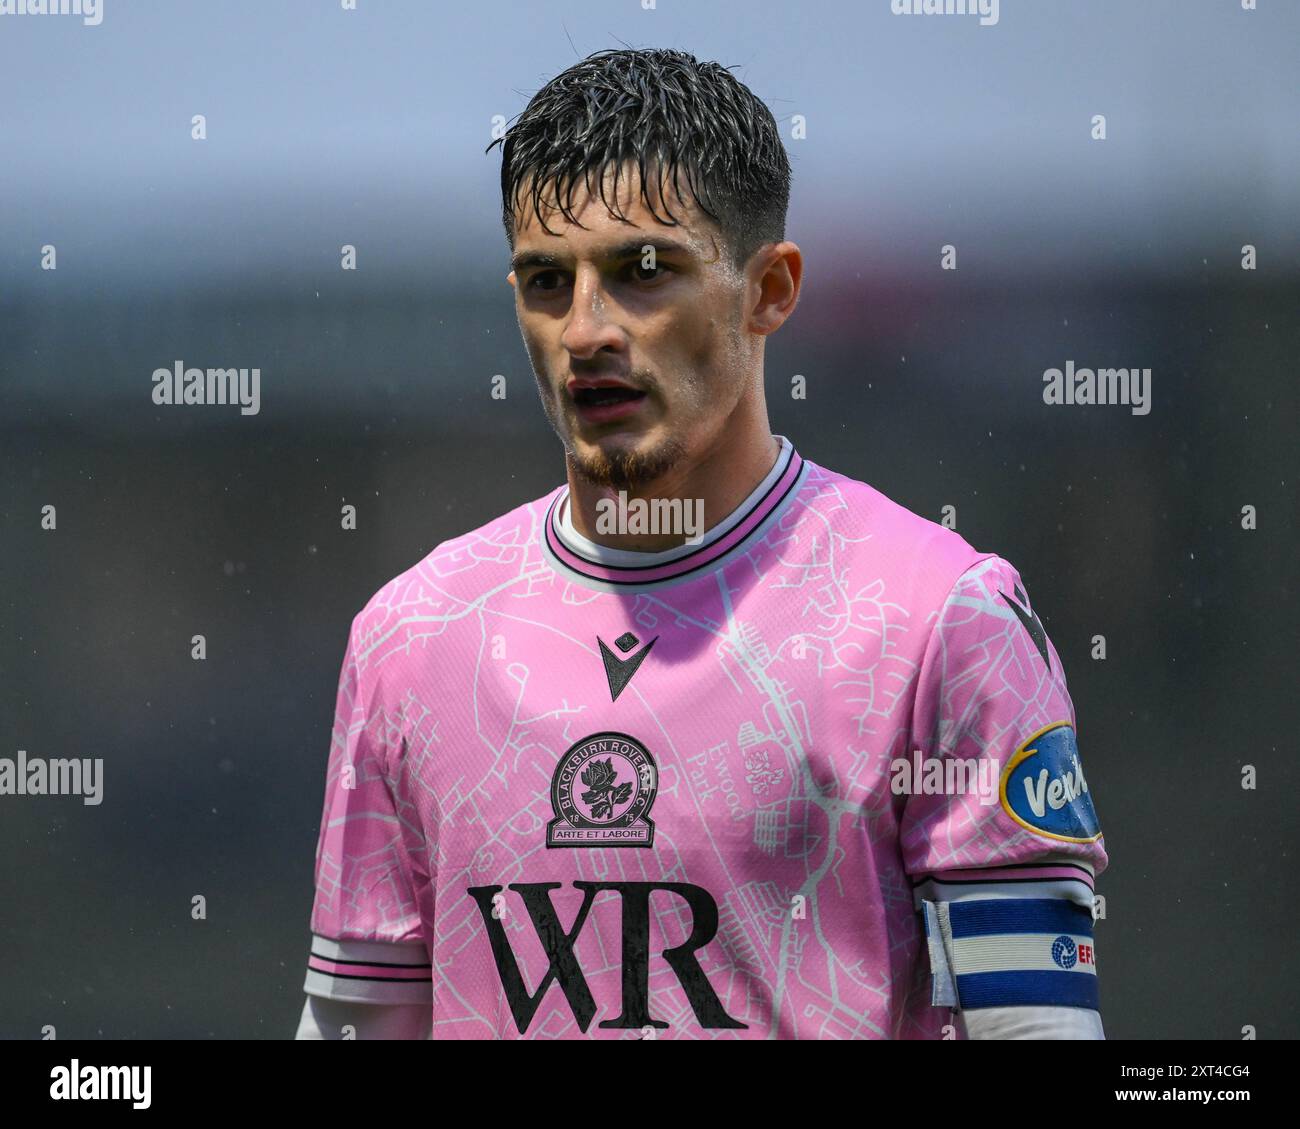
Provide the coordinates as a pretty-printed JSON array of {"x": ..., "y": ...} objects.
[{"x": 1043, "y": 788}]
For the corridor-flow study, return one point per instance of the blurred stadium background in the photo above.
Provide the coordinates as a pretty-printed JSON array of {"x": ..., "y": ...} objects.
[{"x": 369, "y": 127}]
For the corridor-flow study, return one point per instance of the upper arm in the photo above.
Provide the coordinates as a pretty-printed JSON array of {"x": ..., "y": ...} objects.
[
  {"x": 1003, "y": 867},
  {"x": 368, "y": 944}
]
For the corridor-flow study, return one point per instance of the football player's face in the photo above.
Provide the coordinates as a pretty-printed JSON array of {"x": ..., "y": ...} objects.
[{"x": 634, "y": 331}]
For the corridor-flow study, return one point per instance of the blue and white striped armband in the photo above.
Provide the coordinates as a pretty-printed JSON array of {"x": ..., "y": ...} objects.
[{"x": 1023, "y": 945}]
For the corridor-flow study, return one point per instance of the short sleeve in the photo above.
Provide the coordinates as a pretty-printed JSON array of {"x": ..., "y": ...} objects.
[
  {"x": 998, "y": 779},
  {"x": 367, "y": 938},
  {"x": 999, "y": 833}
]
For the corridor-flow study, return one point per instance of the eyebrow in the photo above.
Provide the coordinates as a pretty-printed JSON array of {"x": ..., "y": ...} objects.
[{"x": 633, "y": 248}]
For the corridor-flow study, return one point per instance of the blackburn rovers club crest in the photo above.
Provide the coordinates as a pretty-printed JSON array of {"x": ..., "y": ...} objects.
[{"x": 601, "y": 793}]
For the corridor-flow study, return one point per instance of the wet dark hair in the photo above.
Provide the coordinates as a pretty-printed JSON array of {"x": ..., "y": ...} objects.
[{"x": 668, "y": 112}]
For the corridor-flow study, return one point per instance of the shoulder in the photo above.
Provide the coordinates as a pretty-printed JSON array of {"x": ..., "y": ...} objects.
[
  {"x": 926, "y": 559},
  {"x": 434, "y": 592}
]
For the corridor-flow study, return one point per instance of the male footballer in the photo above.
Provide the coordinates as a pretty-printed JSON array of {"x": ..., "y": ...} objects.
[{"x": 709, "y": 741}]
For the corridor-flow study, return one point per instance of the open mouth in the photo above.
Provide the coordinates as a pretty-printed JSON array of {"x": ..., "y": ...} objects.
[
  {"x": 605, "y": 397},
  {"x": 607, "y": 403}
]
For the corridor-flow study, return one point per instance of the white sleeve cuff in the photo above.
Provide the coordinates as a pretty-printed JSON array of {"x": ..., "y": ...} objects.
[{"x": 370, "y": 972}]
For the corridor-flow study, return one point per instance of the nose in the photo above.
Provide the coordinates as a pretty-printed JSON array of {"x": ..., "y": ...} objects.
[{"x": 590, "y": 329}]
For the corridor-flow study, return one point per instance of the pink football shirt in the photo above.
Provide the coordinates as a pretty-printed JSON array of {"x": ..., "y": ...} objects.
[{"x": 581, "y": 793}]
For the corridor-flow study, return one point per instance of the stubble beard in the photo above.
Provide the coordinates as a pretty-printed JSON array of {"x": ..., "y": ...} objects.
[
  {"x": 633, "y": 467},
  {"x": 618, "y": 468},
  {"x": 628, "y": 470}
]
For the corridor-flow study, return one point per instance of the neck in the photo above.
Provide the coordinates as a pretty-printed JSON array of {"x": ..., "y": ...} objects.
[{"x": 714, "y": 485}]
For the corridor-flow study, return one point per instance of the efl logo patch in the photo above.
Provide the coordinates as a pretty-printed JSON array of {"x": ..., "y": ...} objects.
[
  {"x": 1066, "y": 953},
  {"x": 601, "y": 794},
  {"x": 1044, "y": 791}
]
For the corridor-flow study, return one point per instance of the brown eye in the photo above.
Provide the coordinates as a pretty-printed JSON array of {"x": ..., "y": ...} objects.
[
  {"x": 660, "y": 270},
  {"x": 533, "y": 282}
]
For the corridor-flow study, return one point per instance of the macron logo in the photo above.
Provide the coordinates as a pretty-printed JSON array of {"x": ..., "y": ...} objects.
[
  {"x": 619, "y": 671},
  {"x": 1029, "y": 620}
]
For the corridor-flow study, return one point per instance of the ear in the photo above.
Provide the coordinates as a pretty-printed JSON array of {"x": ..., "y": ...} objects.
[{"x": 510, "y": 278}]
